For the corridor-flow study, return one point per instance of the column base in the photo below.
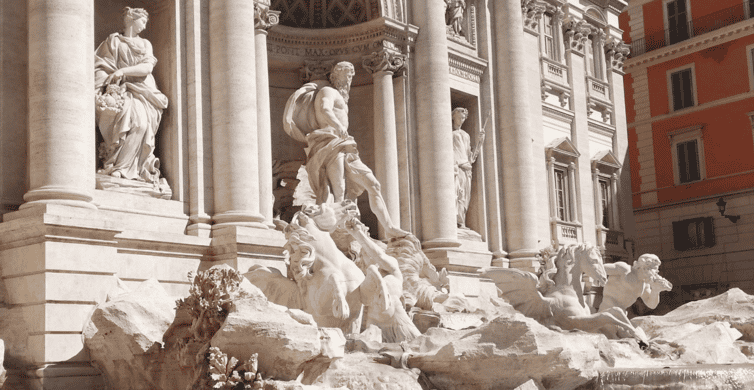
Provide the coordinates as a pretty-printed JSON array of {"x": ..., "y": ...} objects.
[
  {"x": 239, "y": 218},
  {"x": 470, "y": 256},
  {"x": 438, "y": 243},
  {"x": 56, "y": 376},
  {"x": 63, "y": 195},
  {"x": 525, "y": 260}
]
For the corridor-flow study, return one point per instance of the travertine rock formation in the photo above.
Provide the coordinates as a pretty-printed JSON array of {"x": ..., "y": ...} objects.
[
  {"x": 124, "y": 336},
  {"x": 285, "y": 346},
  {"x": 2, "y": 358},
  {"x": 357, "y": 371}
]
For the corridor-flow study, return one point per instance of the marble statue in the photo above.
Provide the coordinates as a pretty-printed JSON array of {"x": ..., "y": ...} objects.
[
  {"x": 625, "y": 283},
  {"x": 558, "y": 300},
  {"x": 464, "y": 157},
  {"x": 317, "y": 114},
  {"x": 423, "y": 285},
  {"x": 454, "y": 15},
  {"x": 325, "y": 283},
  {"x": 128, "y": 104}
]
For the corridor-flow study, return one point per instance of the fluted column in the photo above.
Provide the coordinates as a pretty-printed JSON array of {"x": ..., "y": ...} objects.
[
  {"x": 434, "y": 127},
  {"x": 513, "y": 124},
  {"x": 234, "y": 113},
  {"x": 61, "y": 102},
  {"x": 383, "y": 64},
  {"x": 264, "y": 20}
]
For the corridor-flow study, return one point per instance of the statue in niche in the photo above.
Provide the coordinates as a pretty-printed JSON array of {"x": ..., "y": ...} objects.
[
  {"x": 626, "y": 284},
  {"x": 128, "y": 104},
  {"x": 317, "y": 114},
  {"x": 463, "y": 157},
  {"x": 454, "y": 14}
]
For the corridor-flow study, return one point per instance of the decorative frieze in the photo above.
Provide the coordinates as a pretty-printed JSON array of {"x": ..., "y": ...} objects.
[
  {"x": 344, "y": 44},
  {"x": 532, "y": 11},
  {"x": 264, "y": 17},
  {"x": 384, "y": 60},
  {"x": 617, "y": 52},
  {"x": 465, "y": 68},
  {"x": 316, "y": 70}
]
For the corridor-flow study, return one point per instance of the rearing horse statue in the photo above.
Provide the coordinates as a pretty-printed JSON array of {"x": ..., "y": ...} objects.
[{"x": 557, "y": 301}]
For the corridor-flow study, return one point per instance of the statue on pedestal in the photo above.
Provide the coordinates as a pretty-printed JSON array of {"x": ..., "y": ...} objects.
[
  {"x": 464, "y": 157},
  {"x": 128, "y": 104},
  {"x": 317, "y": 114},
  {"x": 454, "y": 15},
  {"x": 625, "y": 284}
]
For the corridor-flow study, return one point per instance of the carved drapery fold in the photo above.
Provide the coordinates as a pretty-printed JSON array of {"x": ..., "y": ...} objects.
[
  {"x": 532, "y": 11},
  {"x": 617, "y": 52},
  {"x": 264, "y": 17},
  {"x": 384, "y": 60}
]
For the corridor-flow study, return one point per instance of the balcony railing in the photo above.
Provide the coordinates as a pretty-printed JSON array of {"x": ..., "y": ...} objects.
[{"x": 697, "y": 26}]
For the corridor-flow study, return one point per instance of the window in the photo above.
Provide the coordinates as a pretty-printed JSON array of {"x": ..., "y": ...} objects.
[
  {"x": 688, "y": 161},
  {"x": 749, "y": 8},
  {"x": 606, "y": 198},
  {"x": 549, "y": 39},
  {"x": 561, "y": 177},
  {"x": 682, "y": 90},
  {"x": 562, "y": 202},
  {"x": 693, "y": 234},
  {"x": 750, "y": 65},
  {"x": 688, "y": 155},
  {"x": 678, "y": 18}
]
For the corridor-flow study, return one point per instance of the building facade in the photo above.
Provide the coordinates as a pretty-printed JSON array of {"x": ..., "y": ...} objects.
[
  {"x": 543, "y": 79},
  {"x": 690, "y": 95}
]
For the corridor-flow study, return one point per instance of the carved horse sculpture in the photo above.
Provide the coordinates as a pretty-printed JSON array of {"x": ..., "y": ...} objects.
[
  {"x": 557, "y": 301},
  {"x": 325, "y": 283}
]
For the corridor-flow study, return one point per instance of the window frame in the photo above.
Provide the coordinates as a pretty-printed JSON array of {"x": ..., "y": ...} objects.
[
  {"x": 666, "y": 22},
  {"x": 694, "y": 133},
  {"x": 567, "y": 201},
  {"x": 682, "y": 226},
  {"x": 606, "y": 199},
  {"x": 748, "y": 9},
  {"x": 695, "y": 96},
  {"x": 750, "y": 65}
]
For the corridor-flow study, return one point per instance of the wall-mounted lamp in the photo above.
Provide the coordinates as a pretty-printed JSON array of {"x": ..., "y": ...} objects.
[{"x": 721, "y": 206}]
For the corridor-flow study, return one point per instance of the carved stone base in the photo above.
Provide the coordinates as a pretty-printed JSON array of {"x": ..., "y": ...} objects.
[
  {"x": 109, "y": 183},
  {"x": 469, "y": 257},
  {"x": 467, "y": 234}
]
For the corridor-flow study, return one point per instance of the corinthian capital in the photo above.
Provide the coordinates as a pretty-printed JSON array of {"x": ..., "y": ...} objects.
[
  {"x": 264, "y": 17},
  {"x": 383, "y": 60},
  {"x": 617, "y": 51},
  {"x": 532, "y": 11},
  {"x": 577, "y": 33}
]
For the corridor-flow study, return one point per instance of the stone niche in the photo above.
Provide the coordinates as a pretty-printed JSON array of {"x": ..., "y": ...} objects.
[
  {"x": 163, "y": 32},
  {"x": 292, "y": 50}
]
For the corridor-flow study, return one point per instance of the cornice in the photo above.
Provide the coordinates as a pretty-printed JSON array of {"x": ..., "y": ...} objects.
[
  {"x": 689, "y": 46},
  {"x": 343, "y": 43},
  {"x": 466, "y": 66}
]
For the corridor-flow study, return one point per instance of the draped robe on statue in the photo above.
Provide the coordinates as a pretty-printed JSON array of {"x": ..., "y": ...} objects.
[
  {"x": 129, "y": 117},
  {"x": 323, "y": 144},
  {"x": 461, "y": 154}
]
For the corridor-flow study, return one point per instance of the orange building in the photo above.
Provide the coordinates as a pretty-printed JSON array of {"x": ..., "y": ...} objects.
[{"x": 690, "y": 110}]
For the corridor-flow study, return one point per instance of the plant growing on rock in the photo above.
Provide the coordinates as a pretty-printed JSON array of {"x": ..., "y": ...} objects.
[
  {"x": 210, "y": 297},
  {"x": 227, "y": 373}
]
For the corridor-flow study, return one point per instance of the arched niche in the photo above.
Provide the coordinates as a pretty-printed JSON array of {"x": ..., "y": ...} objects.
[
  {"x": 289, "y": 51},
  {"x": 163, "y": 33}
]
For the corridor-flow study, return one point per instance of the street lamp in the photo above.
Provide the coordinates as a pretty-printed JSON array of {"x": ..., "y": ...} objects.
[{"x": 721, "y": 207}]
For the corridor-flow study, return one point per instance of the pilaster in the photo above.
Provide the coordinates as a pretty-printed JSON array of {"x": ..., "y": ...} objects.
[
  {"x": 433, "y": 114},
  {"x": 382, "y": 65},
  {"x": 235, "y": 148},
  {"x": 514, "y": 127},
  {"x": 264, "y": 19},
  {"x": 61, "y": 110}
]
